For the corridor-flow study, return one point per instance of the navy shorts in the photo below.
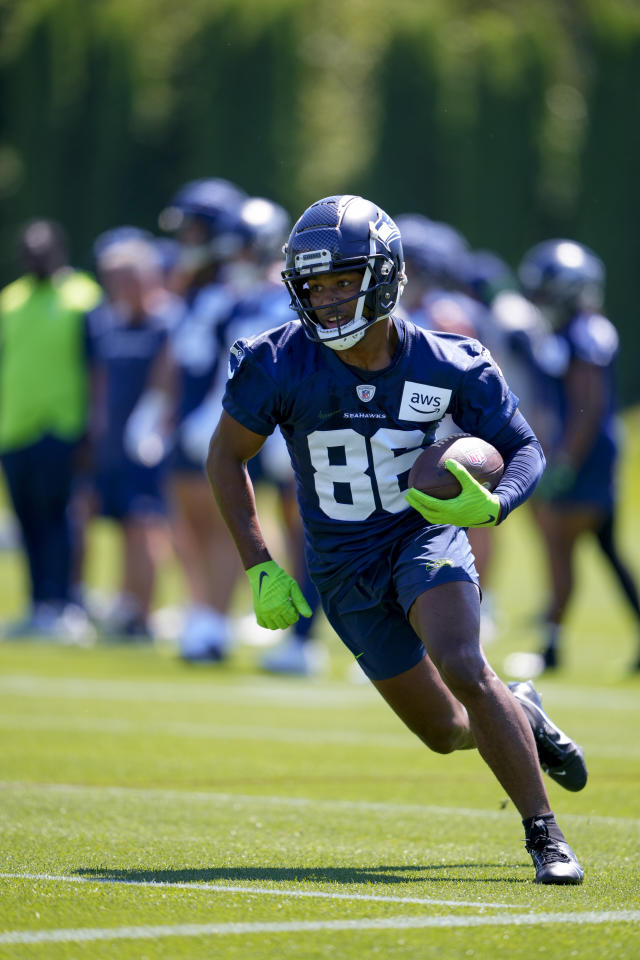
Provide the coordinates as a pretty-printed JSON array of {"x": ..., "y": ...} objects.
[
  {"x": 181, "y": 462},
  {"x": 594, "y": 484},
  {"x": 369, "y": 608}
]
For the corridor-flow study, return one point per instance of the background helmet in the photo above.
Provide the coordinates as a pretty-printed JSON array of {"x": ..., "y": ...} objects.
[
  {"x": 486, "y": 275},
  {"x": 216, "y": 203},
  {"x": 338, "y": 234},
  {"x": 266, "y": 226},
  {"x": 563, "y": 274},
  {"x": 436, "y": 250}
]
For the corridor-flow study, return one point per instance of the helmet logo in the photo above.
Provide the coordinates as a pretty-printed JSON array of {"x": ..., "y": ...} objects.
[
  {"x": 365, "y": 392},
  {"x": 384, "y": 232},
  {"x": 315, "y": 261}
]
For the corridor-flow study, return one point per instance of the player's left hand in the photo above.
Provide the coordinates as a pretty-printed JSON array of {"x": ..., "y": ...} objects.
[{"x": 475, "y": 506}]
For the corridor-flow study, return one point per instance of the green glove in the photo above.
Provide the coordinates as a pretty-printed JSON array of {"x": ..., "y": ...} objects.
[
  {"x": 278, "y": 601},
  {"x": 475, "y": 506}
]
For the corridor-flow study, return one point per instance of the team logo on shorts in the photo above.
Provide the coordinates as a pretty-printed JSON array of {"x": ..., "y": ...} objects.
[
  {"x": 365, "y": 392},
  {"x": 436, "y": 564}
]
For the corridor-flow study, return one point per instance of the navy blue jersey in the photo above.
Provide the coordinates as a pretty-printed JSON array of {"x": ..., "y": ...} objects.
[
  {"x": 353, "y": 434},
  {"x": 198, "y": 344},
  {"x": 125, "y": 353},
  {"x": 592, "y": 339}
]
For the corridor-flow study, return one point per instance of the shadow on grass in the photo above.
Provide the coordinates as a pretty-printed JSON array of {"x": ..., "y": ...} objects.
[{"x": 383, "y": 874}]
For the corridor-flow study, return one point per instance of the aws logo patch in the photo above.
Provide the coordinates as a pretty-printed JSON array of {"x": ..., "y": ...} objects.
[{"x": 423, "y": 402}]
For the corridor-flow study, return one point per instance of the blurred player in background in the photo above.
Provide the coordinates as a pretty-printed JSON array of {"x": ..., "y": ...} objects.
[
  {"x": 263, "y": 303},
  {"x": 43, "y": 417},
  {"x": 129, "y": 334},
  {"x": 516, "y": 327},
  {"x": 204, "y": 218},
  {"x": 435, "y": 257},
  {"x": 576, "y": 383}
]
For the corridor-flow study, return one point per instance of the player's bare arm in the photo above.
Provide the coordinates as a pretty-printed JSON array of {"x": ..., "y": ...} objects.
[
  {"x": 277, "y": 599},
  {"x": 586, "y": 396},
  {"x": 230, "y": 448}
]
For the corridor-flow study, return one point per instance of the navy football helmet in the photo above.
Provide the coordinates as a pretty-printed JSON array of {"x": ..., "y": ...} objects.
[
  {"x": 266, "y": 225},
  {"x": 216, "y": 203},
  {"x": 436, "y": 250},
  {"x": 563, "y": 276},
  {"x": 338, "y": 234},
  {"x": 486, "y": 275}
]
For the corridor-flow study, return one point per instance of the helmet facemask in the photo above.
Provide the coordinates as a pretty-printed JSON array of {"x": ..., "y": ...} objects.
[{"x": 377, "y": 297}]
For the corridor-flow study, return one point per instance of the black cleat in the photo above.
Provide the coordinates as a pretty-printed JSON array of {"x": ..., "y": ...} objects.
[
  {"x": 550, "y": 657},
  {"x": 559, "y": 756},
  {"x": 554, "y": 860}
]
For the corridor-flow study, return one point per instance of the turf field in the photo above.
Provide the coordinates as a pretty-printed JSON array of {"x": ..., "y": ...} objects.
[{"x": 150, "y": 810}]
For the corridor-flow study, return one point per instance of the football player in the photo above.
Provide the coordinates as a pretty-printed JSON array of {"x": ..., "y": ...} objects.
[
  {"x": 260, "y": 302},
  {"x": 204, "y": 218},
  {"x": 128, "y": 335},
  {"x": 357, "y": 393},
  {"x": 575, "y": 365}
]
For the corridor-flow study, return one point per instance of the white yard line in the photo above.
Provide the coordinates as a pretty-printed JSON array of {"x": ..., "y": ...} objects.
[
  {"x": 368, "y": 806},
  {"x": 266, "y": 891},
  {"x": 86, "y": 934},
  {"x": 283, "y": 694}
]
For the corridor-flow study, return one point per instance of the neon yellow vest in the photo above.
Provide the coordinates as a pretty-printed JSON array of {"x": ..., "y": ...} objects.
[{"x": 43, "y": 370}]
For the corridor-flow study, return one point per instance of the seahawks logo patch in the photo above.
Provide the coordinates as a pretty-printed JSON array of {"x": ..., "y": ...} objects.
[{"x": 236, "y": 356}]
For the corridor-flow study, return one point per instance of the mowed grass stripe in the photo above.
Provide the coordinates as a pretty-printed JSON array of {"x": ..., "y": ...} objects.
[
  {"x": 369, "y": 806},
  {"x": 115, "y": 726},
  {"x": 86, "y": 934},
  {"x": 308, "y": 694},
  {"x": 253, "y": 891},
  {"x": 213, "y": 731}
]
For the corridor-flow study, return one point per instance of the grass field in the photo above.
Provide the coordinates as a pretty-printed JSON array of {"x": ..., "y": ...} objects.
[{"x": 151, "y": 810}]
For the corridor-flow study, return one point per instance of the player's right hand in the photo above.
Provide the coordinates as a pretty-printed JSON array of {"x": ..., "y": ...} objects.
[{"x": 278, "y": 601}]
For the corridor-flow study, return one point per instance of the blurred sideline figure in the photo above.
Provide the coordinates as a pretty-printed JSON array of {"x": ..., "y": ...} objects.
[
  {"x": 435, "y": 256},
  {"x": 263, "y": 303},
  {"x": 514, "y": 319},
  {"x": 83, "y": 498},
  {"x": 574, "y": 364},
  {"x": 204, "y": 218},
  {"x": 43, "y": 416},
  {"x": 129, "y": 334}
]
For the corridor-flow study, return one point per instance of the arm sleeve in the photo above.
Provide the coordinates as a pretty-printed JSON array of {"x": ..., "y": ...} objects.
[{"x": 524, "y": 463}]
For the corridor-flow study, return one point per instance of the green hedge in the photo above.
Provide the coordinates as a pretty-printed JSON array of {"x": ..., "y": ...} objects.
[{"x": 514, "y": 121}]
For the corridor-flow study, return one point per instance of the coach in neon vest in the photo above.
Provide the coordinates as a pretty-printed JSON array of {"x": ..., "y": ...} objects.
[{"x": 43, "y": 409}]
